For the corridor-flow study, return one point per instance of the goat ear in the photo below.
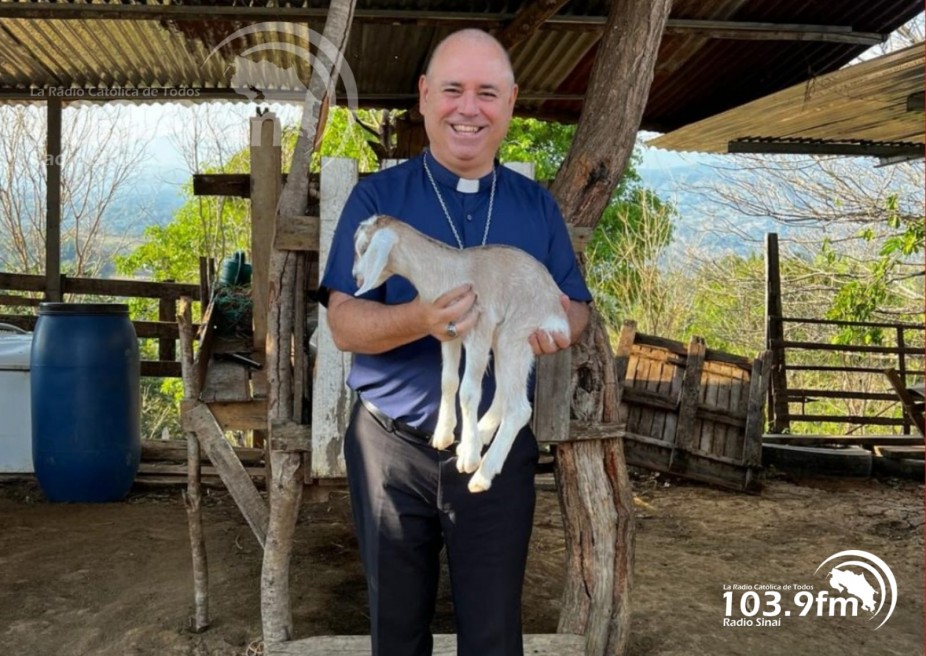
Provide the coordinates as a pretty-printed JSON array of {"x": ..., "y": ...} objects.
[{"x": 373, "y": 261}]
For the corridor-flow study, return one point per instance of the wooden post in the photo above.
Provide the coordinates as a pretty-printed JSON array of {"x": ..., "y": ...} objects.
[
  {"x": 596, "y": 501},
  {"x": 774, "y": 337},
  {"x": 902, "y": 371},
  {"x": 689, "y": 398},
  {"x": 53, "y": 202},
  {"x": 331, "y": 398},
  {"x": 276, "y": 615},
  {"x": 167, "y": 311},
  {"x": 193, "y": 500},
  {"x": 266, "y": 183}
]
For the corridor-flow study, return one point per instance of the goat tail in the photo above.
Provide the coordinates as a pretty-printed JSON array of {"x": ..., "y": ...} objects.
[{"x": 556, "y": 325}]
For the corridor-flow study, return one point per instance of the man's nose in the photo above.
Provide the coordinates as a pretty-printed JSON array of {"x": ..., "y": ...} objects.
[{"x": 468, "y": 104}]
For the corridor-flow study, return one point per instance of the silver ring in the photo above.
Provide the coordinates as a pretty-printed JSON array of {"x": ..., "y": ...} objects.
[{"x": 452, "y": 329}]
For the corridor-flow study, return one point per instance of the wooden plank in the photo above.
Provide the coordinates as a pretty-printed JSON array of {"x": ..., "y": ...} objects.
[
  {"x": 755, "y": 417},
  {"x": 231, "y": 470},
  {"x": 622, "y": 360},
  {"x": 130, "y": 288},
  {"x": 167, "y": 313},
  {"x": 236, "y": 415},
  {"x": 655, "y": 455},
  {"x": 651, "y": 399},
  {"x": 175, "y": 450},
  {"x": 553, "y": 397},
  {"x": 849, "y": 348},
  {"x": 690, "y": 396},
  {"x": 332, "y": 399},
  {"x": 236, "y": 185},
  {"x": 171, "y": 469},
  {"x": 265, "y": 183},
  {"x": 733, "y": 444},
  {"x": 528, "y": 19},
  {"x": 679, "y": 349},
  {"x": 158, "y": 369},
  {"x": 860, "y": 370},
  {"x": 226, "y": 381},
  {"x": 642, "y": 379},
  {"x": 53, "y": 159},
  {"x": 297, "y": 233},
  {"x": 675, "y": 390},
  {"x": 850, "y": 419},
  {"x": 912, "y": 411},
  {"x": 774, "y": 336},
  {"x": 804, "y": 395},
  {"x": 862, "y": 324},
  {"x": 710, "y": 392},
  {"x": 22, "y": 282},
  {"x": 861, "y": 440},
  {"x": 556, "y": 644},
  {"x": 16, "y": 300}
]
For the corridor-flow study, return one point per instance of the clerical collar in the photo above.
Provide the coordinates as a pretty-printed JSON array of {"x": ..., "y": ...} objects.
[{"x": 447, "y": 178}]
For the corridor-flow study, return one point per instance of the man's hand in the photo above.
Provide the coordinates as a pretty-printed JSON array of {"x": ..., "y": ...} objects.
[
  {"x": 544, "y": 343},
  {"x": 456, "y": 306}
]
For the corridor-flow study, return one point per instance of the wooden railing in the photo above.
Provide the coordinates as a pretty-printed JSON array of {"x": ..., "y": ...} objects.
[
  {"x": 14, "y": 285},
  {"x": 906, "y": 356}
]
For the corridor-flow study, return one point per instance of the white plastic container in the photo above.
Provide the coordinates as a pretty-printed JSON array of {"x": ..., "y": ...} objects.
[{"x": 15, "y": 404}]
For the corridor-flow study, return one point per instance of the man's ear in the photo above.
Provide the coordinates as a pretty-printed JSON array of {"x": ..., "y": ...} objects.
[
  {"x": 422, "y": 93},
  {"x": 374, "y": 260}
]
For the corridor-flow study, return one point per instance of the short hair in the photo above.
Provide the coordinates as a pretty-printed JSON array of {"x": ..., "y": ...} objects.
[{"x": 472, "y": 34}]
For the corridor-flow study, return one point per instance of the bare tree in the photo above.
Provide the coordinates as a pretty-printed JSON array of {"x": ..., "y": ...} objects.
[{"x": 99, "y": 159}]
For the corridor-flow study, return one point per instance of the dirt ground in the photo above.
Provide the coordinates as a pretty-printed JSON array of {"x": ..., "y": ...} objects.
[{"x": 115, "y": 579}]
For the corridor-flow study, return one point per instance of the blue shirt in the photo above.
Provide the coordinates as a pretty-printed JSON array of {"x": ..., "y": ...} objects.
[{"x": 404, "y": 383}]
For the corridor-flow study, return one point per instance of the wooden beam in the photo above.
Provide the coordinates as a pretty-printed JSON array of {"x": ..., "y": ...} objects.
[
  {"x": 751, "y": 31},
  {"x": 364, "y": 99},
  {"x": 529, "y": 18},
  {"x": 850, "y": 419},
  {"x": 234, "y": 415},
  {"x": 297, "y": 233},
  {"x": 849, "y": 348},
  {"x": 233, "y": 474},
  {"x": 743, "y": 30},
  {"x": 858, "y": 440},
  {"x": 53, "y": 202},
  {"x": 797, "y": 147}
]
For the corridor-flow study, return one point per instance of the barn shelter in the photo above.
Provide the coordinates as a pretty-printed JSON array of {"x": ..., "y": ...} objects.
[
  {"x": 873, "y": 108},
  {"x": 611, "y": 70}
]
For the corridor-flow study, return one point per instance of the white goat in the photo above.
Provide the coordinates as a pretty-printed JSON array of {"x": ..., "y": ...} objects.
[{"x": 516, "y": 296}]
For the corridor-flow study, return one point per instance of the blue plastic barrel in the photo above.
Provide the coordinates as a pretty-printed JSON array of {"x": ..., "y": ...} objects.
[{"x": 86, "y": 411}]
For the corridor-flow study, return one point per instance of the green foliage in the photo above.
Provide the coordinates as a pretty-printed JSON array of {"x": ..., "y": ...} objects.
[{"x": 544, "y": 143}]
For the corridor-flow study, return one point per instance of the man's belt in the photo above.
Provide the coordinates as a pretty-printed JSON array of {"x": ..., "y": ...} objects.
[{"x": 394, "y": 425}]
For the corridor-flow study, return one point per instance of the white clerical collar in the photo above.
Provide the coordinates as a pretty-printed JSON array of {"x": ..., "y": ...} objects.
[{"x": 468, "y": 186}]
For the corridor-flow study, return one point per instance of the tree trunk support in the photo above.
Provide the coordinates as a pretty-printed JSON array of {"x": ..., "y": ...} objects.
[{"x": 286, "y": 489}]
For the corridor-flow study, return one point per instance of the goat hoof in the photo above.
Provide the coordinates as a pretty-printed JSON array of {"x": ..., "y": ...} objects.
[
  {"x": 467, "y": 463},
  {"x": 441, "y": 442},
  {"x": 479, "y": 483}
]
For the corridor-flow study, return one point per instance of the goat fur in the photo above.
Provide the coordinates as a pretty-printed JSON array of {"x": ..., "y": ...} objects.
[{"x": 516, "y": 296}]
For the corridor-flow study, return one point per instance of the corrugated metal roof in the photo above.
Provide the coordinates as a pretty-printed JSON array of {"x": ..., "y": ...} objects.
[
  {"x": 697, "y": 74},
  {"x": 863, "y": 105}
]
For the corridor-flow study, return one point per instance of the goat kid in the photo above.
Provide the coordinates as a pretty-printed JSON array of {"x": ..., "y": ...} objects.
[{"x": 516, "y": 296}]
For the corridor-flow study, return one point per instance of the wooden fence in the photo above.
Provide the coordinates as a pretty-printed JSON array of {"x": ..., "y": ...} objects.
[
  {"x": 851, "y": 375},
  {"x": 19, "y": 291}
]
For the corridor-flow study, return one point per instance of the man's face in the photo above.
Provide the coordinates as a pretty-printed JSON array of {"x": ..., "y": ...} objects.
[{"x": 467, "y": 99}]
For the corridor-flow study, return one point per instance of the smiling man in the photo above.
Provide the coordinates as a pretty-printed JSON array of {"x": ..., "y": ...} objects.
[{"x": 408, "y": 499}]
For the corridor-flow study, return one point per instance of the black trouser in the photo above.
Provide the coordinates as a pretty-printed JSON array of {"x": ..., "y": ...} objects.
[{"x": 408, "y": 500}]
